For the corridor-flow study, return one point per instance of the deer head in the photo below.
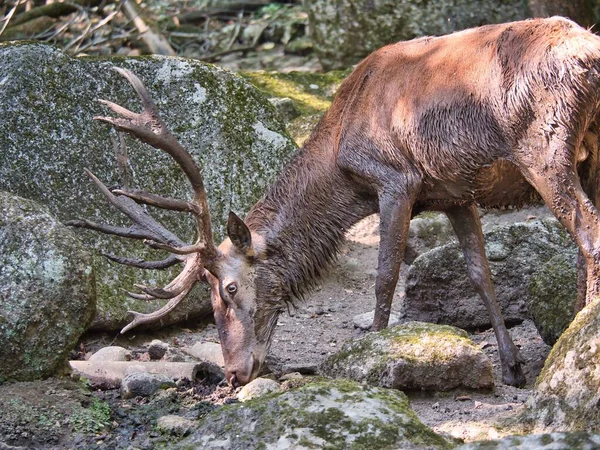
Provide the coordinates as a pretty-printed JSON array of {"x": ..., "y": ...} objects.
[{"x": 232, "y": 270}]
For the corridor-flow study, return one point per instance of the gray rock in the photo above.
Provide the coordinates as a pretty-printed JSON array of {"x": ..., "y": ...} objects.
[
  {"x": 111, "y": 353},
  {"x": 427, "y": 231},
  {"x": 257, "y": 388},
  {"x": 413, "y": 355},
  {"x": 365, "y": 320},
  {"x": 285, "y": 107},
  {"x": 567, "y": 392},
  {"x": 46, "y": 290},
  {"x": 157, "y": 349},
  {"x": 331, "y": 414},
  {"x": 144, "y": 384},
  {"x": 47, "y": 137},
  {"x": 209, "y": 352},
  {"x": 175, "y": 425},
  {"x": 344, "y": 31},
  {"x": 550, "y": 441},
  {"x": 438, "y": 289}
]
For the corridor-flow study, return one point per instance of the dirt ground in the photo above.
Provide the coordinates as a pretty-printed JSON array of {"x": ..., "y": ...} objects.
[{"x": 305, "y": 336}]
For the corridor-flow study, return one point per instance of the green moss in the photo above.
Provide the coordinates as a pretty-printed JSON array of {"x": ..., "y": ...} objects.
[
  {"x": 93, "y": 419},
  {"x": 311, "y": 92},
  {"x": 338, "y": 414}
]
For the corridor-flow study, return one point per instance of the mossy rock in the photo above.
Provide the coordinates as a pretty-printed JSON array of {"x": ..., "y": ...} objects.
[
  {"x": 552, "y": 293},
  {"x": 47, "y": 137},
  {"x": 524, "y": 258},
  {"x": 567, "y": 392},
  {"x": 331, "y": 415},
  {"x": 344, "y": 31},
  {"x": 414, "y": 355},
  {"x": 46, "y": 290},
  {"x": 550, "y": 441}
]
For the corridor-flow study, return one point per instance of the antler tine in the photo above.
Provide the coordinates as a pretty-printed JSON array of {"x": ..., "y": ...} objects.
[
  {"x": 181, "y": 286},
  {"x": 152, "y": 229},
  {"x": 169, "y": 261},
  {"x": 149, "y": 127}
]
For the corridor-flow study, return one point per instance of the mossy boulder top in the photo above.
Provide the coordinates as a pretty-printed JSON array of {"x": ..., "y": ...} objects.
[
  {"x": 330, "y": 414},
  {"x": 48, "y": 136},
  {"x": 46, "y": 290},
  {"x": 414, "y": 355},
  {"x": 567, "y": 392}
]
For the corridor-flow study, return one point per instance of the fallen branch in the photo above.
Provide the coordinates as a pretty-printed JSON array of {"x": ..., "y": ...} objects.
[
  {"x": 53, "y": 10},
  {"x": 156, "y": 42}
]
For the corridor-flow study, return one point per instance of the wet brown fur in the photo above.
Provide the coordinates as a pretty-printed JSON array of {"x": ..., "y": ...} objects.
[
  {"x": 495, "y": 116},
  {"x": 452, "y": 111}
]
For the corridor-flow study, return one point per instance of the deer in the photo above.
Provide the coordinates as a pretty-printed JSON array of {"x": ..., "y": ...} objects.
[{"x": 497, "y": 116}]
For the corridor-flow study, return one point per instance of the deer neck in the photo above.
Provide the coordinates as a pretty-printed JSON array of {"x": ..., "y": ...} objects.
[{"x": 304, "y": 216}]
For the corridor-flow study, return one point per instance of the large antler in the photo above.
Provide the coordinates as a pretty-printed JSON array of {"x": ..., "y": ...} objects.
[{"x": 149, "y": 127}]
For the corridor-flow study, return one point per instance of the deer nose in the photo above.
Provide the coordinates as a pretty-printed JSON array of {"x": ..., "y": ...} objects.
[{"x": 233, "y": 380}]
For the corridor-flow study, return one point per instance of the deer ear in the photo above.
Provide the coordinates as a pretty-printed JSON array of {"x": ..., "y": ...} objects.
[{"x": 239, "y": 233}]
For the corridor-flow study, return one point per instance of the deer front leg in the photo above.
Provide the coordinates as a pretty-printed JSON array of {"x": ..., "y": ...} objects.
[
  {"x": 395, "y": 212},
  {"x": 467, "y": 226}
]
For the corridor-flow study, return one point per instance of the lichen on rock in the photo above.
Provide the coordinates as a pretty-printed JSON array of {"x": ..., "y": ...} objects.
[
  {"x": 337, "y": 414},
  {"x": 526, "y": 261},
  {"x": 47, "y": 137},
  {"x": 567, "y": 392},
  {"x": 414, "y": 355},
  {"x": 46, "y": 290},
  {"x": 344, "y": 31}
]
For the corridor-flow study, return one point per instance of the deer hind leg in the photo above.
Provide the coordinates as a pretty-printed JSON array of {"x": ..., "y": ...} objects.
[
  {"x": 590, "y": 177},
  {"x": 467, "y": 226},
  {"x": 557, "y": 182}
]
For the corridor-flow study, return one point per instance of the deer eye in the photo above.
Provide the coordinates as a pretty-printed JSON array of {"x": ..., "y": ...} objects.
[{"x": 232, "y": 288}]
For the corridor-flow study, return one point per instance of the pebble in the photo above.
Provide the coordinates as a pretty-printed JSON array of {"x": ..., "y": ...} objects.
[
  {"x": 157, "y": 349},
  {"x": 257, "y": 388},
  {"x": 111, "y": 353},
  {"x": 144, "y": 384},
  {"x": 176, "y": 425},
  {"x": 364, "y": 321}
]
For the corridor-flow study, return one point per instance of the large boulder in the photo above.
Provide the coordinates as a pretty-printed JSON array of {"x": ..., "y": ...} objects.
[
  {"x": 47, "y": 137},
  {"x": 567, "y": 392},
  {"x": 46, "y": 290},
  {"x": 416, "y": 356},
  {"x": 533, "y": 268},
  {"x": 344, "y": 31},
  {"x": 330, "y": 414},
  {"x": 550, "y": 441}
]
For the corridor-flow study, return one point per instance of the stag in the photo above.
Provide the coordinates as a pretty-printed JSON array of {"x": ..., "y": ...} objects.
[{"x": 497, "y": 116}]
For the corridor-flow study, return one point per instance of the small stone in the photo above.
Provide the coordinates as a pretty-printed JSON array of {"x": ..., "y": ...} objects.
[
  {"x": 291, "y": 376},
  {"x": 157, "y": 349},
  {"x": 208, "y": 351},
  {"x": 111, "y": 353},
  {"x": 258, "y": 388},
  {"x": 176, "y": 425},
  {"x": 364, "y": 321},
  {"x": 144, "y": 384}
]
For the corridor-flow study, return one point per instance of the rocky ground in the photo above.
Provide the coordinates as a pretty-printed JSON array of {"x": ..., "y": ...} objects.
[{"x": 305, "y": 336}]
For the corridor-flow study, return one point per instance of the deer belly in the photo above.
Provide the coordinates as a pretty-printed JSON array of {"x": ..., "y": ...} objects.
[
  {"x": 498, "y": 185},
  {"x": 502, "y": 185}
]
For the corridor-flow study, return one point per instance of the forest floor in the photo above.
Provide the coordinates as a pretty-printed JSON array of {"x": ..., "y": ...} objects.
[{"x": 319, "y": 326}]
